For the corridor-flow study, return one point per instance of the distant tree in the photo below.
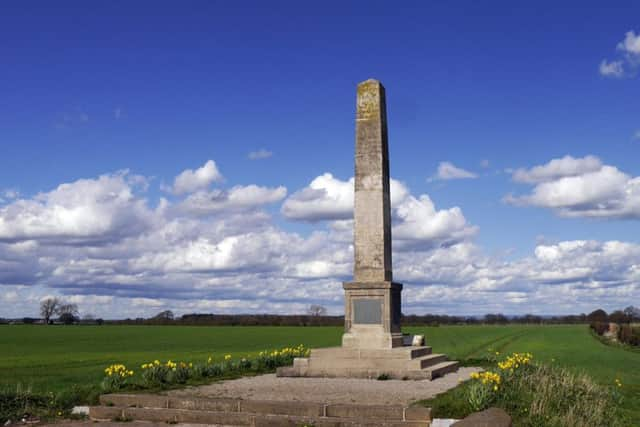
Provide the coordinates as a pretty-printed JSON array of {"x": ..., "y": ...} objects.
[
  {"x": 317, "y": 310},
  {"x": 619, "y": 317},
  {"x": 633, "y": 312},
  {"x": 68, "y": 309},
  {"x": 598, "y": 315},
  {"x": 99, "y": 321},
  {"x": 28, "y": 320},
  {"x": 48, "y": 308},
  {"x": 163, "y": 315},
  {"x": 68, "y": 318},
  {"x": 497, "y": 318},
  {"x": 531, "y": 319},
  {"x": 88, "y": 319}
]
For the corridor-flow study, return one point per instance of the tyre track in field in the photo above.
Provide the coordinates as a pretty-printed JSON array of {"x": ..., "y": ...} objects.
[{"x": 501, "y": 342}]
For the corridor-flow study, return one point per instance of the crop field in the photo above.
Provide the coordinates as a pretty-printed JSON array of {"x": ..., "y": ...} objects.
[{"x": 51, "y": 358}]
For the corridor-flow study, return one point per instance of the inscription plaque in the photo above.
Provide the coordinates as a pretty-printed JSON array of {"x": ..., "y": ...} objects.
[{"x": 367, "y": 311}]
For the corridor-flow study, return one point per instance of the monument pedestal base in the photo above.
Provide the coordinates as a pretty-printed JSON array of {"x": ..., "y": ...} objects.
[
  {"x": 372, "y": 315},
  {"x": 403, "y": 363},
  {"x": 371, "y": 338}
]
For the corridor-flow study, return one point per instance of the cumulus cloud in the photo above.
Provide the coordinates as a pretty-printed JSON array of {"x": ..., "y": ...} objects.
[
  {"x": 629, "y": 58},
  {"x": 191, "y": 180},
  {"x": 236, "y": 198},
  {"x": 99, "y": 243},
  {"x": 580, "y": 188},
  {"x": 10, "y": 194},
  {"x": 416, "y": 222},
  {"x": 565, "y": 277},
  {"x": 419, "y": 223},
  {"x": 611, "y": 69},
  {"x": 326, "y": 198},
  {"x": 82, "y": 211},
  {"x": 558, "y": 168},
  {"x": 448, "y": 171},
  {"x": 631, "y": 43},
  {"x": 260, "y": 154}
]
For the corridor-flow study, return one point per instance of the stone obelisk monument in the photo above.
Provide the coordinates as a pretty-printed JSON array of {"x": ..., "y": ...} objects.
[
  {"x": 372, "y": 300},
  {"x": 372, "y": 344}
]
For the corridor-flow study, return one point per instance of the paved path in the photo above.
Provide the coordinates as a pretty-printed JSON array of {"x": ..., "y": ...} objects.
[{"x": 329, "y": 390}]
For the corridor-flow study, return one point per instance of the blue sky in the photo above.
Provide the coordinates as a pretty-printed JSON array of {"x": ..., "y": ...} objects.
[{"x": 159, "y": 88}]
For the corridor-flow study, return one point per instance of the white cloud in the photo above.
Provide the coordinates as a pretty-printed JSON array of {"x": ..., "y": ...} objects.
[
  {"x": 256, "y": 250},
  {"x": 11, "y": 194},
  {"x": 580, "y": 188},
  {"x": 611, "y": 69},
  {"x": 629, "y": 58},
  {"x": 84, "y": 210},
  {"x": 417, "y": 223},
  {"x": 447, "y": 171},
  {"x": 189, "y": 180},
  {"x": 146, "y": 302},
  {"x": 238, "y": 197},
  {"x": 260, "y": 154},
  {"x": 89, "y": 299},
  {"x": 326, "y": 198},
  {"x": 420, "y": 223},
  {"x": 630, "y": 44},
  {"x": 240, "y": 260},
  {"x": 558, "y": 168},
  {"x": 484, "y": 163}
]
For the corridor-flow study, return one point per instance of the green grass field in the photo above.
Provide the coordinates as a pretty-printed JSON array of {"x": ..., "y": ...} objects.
[{"x": 51, "y": 358}]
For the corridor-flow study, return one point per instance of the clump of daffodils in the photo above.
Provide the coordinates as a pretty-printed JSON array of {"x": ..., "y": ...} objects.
[
  {"x": 116, "y": 377},
  {"x": 516, "y": 360},
  {"x": 150, "y": 364},
  {"x": 156, "y": 373},
  {"x": 489, "y": 384},
  {"x": 118, "y": 370},
  {"x": 268, "y": 360},
  {"x": 492, "y": 379}
]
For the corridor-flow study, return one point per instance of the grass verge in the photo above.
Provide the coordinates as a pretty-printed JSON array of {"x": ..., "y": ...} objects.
[{"x": 535, "y": 395}]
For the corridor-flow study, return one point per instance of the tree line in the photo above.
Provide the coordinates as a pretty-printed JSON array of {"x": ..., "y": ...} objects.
[
  {"x": 316, "y": 316},
  {"x": 58, "y": 311}
]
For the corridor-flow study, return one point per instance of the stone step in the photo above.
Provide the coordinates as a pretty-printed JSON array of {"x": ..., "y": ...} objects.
[
  {"x": 443, "y": 368},
  {"x": 369, "y": 364},
  {"x": 404, "y": 353},
  {"x": 358, "y": 417},
  {"x": 170, "y": 416},
  {"x": 420, "y": 351},
  {"x": 425, "y": 362},
  {"x": 238, "y": 412},
  {"x": 283, "y": 421}
]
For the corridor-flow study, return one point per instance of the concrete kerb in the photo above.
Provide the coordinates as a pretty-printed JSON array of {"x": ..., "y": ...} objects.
[{"x": 191, "y": 409}]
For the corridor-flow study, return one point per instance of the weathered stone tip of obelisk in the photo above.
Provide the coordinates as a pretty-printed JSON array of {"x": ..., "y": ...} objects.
[
  {"x": 370, "y": 99},
  {"x": 369, "y": 82}
]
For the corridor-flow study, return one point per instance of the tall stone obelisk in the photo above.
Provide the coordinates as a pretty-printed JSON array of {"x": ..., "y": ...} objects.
[
  {"x": 372, "y": 300},
  {"x": 372, "y": 344}
]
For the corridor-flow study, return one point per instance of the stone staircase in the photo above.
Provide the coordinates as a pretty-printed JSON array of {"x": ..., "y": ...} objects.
[
  {"x": 254, "y": 413},
  {"x": 407, "y": 363}
]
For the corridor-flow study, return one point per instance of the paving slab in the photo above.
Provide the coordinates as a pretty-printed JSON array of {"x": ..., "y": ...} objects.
[{"x": 329, "y": 390}]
